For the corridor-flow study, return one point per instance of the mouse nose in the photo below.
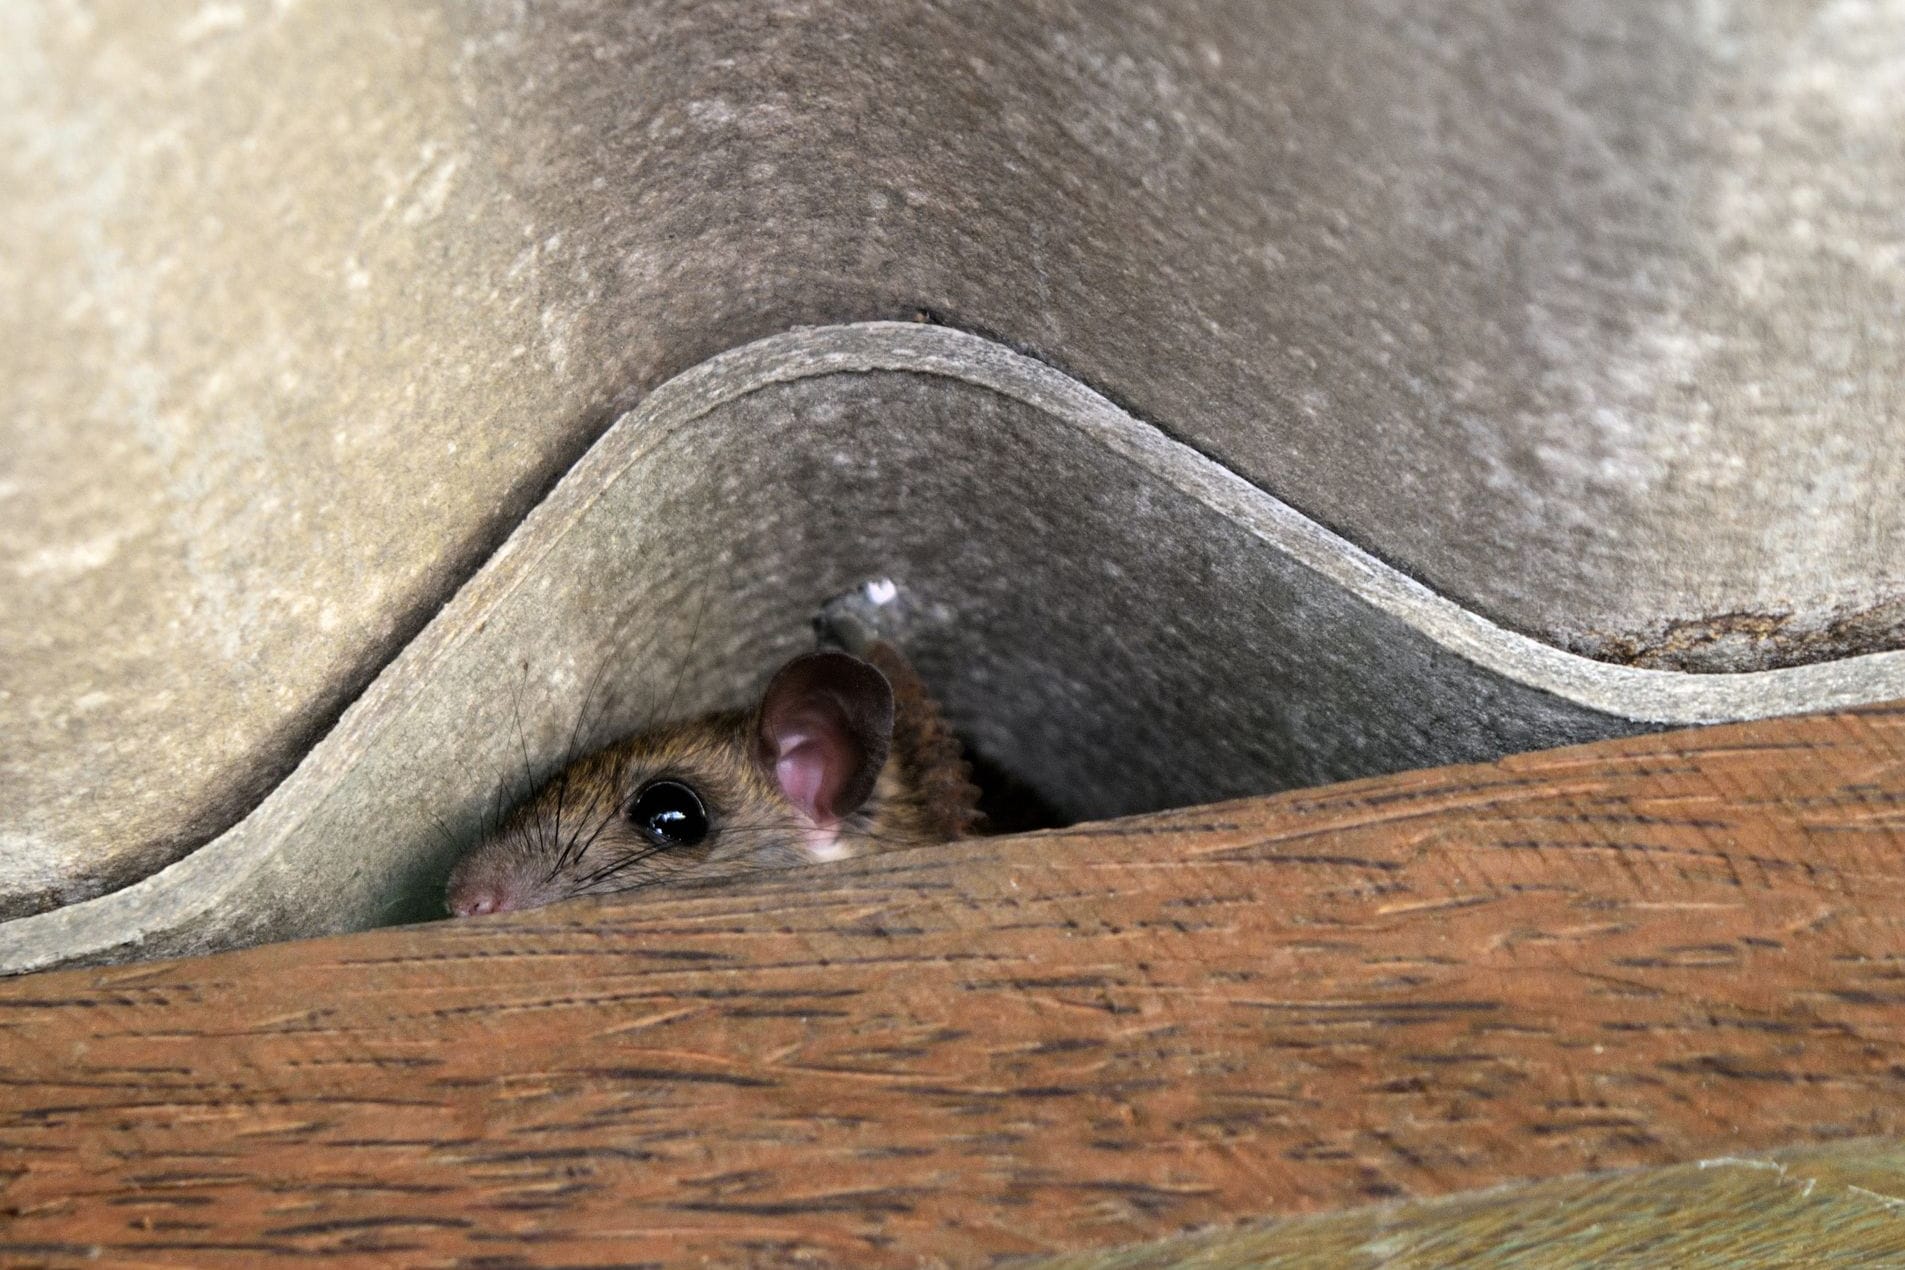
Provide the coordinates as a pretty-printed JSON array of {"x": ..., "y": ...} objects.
[{"x": 478, "y": 902}]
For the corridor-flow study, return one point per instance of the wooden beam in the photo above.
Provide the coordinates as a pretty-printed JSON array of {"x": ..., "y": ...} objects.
[
  {"x": 1823, "y": 1206},
  {"x": 1638, "y": 952}
]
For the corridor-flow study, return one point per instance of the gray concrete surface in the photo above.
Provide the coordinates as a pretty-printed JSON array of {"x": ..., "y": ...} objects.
[
  {"x": 1586, "y": 317},
  {"x": 1104, "y": 611}
]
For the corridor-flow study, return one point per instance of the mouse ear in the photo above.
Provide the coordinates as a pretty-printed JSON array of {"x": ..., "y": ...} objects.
[{"x": 822, "y": 732}]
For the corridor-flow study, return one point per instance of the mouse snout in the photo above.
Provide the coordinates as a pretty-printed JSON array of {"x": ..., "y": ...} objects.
[
  {"x": 474, "y": 892},
  {"x": 477, "y": 901}
]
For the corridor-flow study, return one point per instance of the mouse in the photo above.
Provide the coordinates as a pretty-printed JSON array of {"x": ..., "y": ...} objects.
[{"x": 845, "y": 754}]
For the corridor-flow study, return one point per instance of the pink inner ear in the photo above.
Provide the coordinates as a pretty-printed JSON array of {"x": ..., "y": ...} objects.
[
  {"x": 811, "y": 762},
  {"x": 822, "y": 733}
]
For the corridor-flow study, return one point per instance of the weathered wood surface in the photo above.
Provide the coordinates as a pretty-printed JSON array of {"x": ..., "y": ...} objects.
[
  {"x": 1645, "y": 951},
  {"x": 1838, "y": 1206}
]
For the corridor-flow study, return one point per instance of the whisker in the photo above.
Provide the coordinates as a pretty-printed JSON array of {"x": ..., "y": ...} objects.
[
  {"x": 616, "y": 866},
  {"x": 522, "y": 747},
  {"x": 687, "y": 654},
  {"x": 577, "y": 847}
]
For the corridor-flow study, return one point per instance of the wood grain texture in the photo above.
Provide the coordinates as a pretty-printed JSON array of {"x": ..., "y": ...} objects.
[
  {"x": 1842, "y": 1205},
  {"x": 1639, "y": 952}
]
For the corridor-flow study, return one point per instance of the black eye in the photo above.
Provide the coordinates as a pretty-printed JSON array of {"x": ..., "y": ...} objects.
[{"x": 668, "y": 814}]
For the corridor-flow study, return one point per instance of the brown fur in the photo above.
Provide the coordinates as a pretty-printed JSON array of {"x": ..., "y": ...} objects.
[
  {"x": 570, "y": 838},
  {"x": 933, "y": 771}
]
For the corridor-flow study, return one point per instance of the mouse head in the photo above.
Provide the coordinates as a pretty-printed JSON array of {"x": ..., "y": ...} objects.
[{"x": 784, "y": 784}]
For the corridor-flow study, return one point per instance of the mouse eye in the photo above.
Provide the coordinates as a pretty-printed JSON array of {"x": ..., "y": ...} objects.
[{"x": 668, "y": 814}]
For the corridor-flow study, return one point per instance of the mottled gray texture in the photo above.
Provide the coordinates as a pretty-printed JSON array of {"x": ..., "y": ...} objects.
[
  {"x": 1106, "y": 612},
  {"x": 1590, "y": 317}
]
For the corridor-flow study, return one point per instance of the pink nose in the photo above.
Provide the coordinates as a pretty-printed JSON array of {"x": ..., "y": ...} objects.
[{"x": 477, "y": 903}]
